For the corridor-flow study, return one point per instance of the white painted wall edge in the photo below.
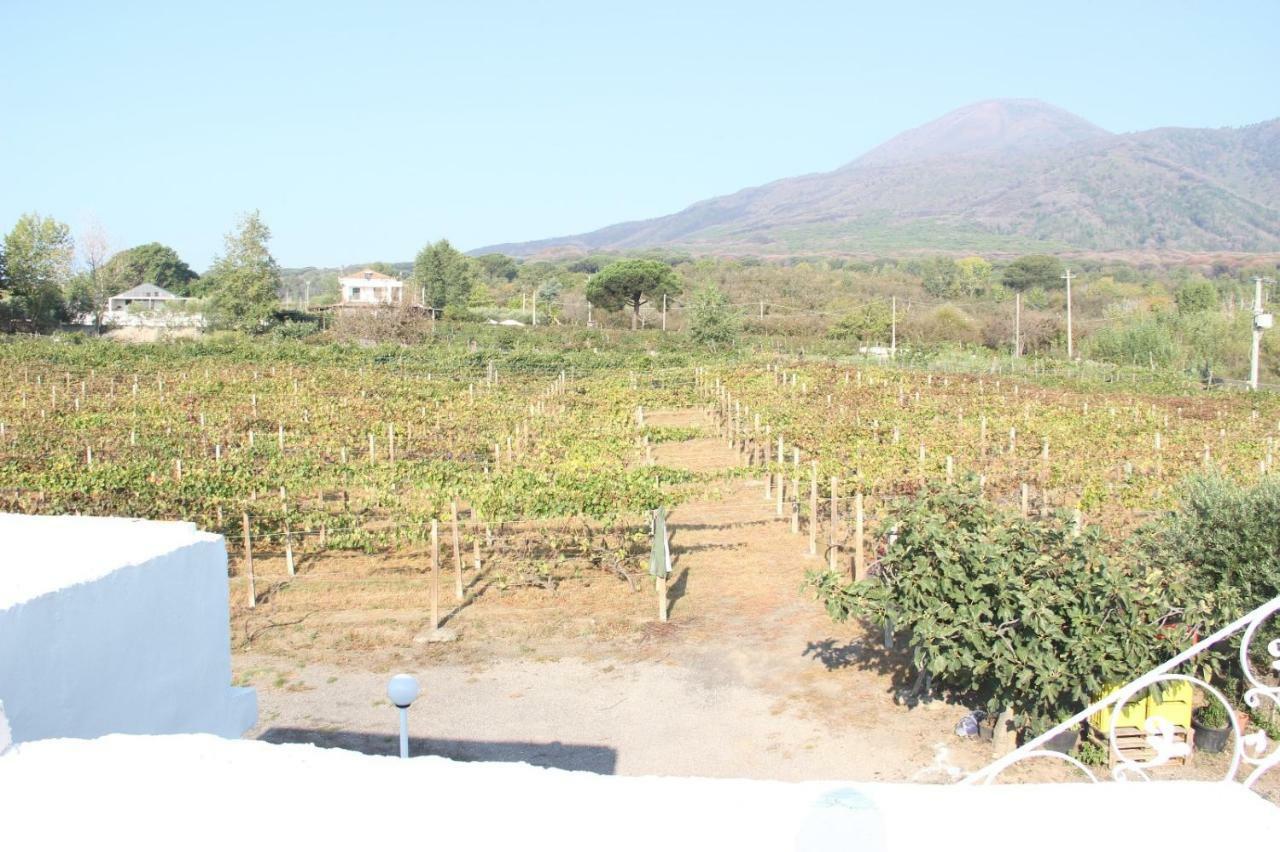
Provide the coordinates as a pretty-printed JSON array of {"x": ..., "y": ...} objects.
[{"x": 154, "y": 790}]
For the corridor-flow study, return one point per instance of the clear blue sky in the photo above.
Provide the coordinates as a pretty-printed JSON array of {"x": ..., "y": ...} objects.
[{"x": 362, "y": 130}]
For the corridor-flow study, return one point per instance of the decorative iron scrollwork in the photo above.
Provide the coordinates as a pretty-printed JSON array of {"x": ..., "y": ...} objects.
[{"x": 1253, "y": 751}]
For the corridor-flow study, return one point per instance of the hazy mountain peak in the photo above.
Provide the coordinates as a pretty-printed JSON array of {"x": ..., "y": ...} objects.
[
  {"x": 1008, "y": 125},
  {"x": 1002, "y": 175}
]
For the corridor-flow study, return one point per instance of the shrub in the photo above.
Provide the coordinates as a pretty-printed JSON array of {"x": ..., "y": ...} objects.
[
  {"x": 870, "y": 323},
  {"x": 1196, "y": 297},
  {"x": 1019, "y": 614},
  {"x": 1224, "y": 536},
  {"x": 1144, "y": 341},
  {"x": 712, "y": 320},
  {"x": 946, "y": 324}
]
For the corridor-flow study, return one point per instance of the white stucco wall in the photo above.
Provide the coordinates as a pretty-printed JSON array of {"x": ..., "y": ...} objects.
[
  {"x": 115, "y": 625},
  {"x": 162, "y": 792}
]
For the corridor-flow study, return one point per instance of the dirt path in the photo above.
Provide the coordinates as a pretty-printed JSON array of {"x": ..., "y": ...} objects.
[
  {"x": 750, "y": 678},
  {"x": 746, "y": 617}
]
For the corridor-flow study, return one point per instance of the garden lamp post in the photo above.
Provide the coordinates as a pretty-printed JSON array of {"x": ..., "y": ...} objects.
[{"x": 402, "y": 690}]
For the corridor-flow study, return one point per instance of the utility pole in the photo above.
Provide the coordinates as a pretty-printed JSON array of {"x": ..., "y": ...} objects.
[
  {"x": 1070, "y": 342},
  {"x": 893, "y": 327},
  {"x": 1017, "y": 325},
  {"x": 590, "y": 324},
  {"x": 1261, "y": 322}
]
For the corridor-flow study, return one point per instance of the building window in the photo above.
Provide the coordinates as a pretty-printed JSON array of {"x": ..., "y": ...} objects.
[{"x": 355, "y": 294}]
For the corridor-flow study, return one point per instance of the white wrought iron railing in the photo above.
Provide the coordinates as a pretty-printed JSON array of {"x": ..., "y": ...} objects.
[{"x": 1253, "y": 751}]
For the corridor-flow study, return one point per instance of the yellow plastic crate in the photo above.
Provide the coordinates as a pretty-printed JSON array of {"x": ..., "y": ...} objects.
[
  {"x": 1132, "y": 715},
  {"x": 1173, "y": 704}
]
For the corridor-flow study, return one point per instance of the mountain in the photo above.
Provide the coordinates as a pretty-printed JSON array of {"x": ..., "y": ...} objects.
[
  {"x": 1000, "y": 175},
  {"x": 987, "y": 128}
]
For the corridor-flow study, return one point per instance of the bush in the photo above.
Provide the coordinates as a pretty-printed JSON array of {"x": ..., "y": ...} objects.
[
  {"x": 1019, "y": 614},
  {"x": 712, "y": 320},
  {"x": 947, "y": 324},
  {"x": 1144, "y": 341},
  {"x": 871, "y": 323},
  {"x": 454, "y": 312},
  {"x": 1225, "y": 537},
  {"x": 1196, "y": 297}
]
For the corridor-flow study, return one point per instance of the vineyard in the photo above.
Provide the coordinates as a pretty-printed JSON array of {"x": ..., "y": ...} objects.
[
  {"x": 332, "y": 478},
  {"x": 340, "y": 475},
  {"x": 1110, "y": 454}
]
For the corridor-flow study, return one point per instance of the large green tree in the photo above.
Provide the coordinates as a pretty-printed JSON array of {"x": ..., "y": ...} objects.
[
  {"x": 973, "y": 275},
  {"x": 940, "y": 276},
  {"x": 152, "y": 263},
  {"x": 630, "y": 284},
  {"x": 499, "y": 266},
  {"x": 1034, "y": 270},
  {"x": 38, "y": 256},
  {"x": 444, "y": 276},
  {"x": 245, "y": 278}
]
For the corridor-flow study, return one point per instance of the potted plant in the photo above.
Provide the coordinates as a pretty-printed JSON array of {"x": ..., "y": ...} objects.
[
  {"x": 1063, "y": 741},
  {"x": 1211, "y": 726}
]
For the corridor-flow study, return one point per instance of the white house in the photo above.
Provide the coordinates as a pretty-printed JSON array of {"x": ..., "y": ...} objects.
[
  {"x": 145, "y": 296},
  {"x": 148, "y": 306},
  {"x": 368, "y": 287}
]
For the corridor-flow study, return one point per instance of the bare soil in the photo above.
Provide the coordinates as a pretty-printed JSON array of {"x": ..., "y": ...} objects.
[{"x": 749, "y": 678}]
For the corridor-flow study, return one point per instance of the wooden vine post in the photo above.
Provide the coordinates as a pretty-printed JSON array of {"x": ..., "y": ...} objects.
[
  {"x": 833, "y": 537},
  {"x": 288, "y": 547},
  {"x": 435, "y": 574},
  {"x": 813, "y": 509},
  {"x": 248, "y": 561},
  {"x": 859, "y": 558},
  {"x": 457, "y": 552},
  {"x": 795, "y": 491}
]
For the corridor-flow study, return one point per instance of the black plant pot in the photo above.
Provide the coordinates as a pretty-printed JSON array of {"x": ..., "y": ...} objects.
[
  {"x": 1064, "y": 742},
  {"x": 1211, "y": 740}
]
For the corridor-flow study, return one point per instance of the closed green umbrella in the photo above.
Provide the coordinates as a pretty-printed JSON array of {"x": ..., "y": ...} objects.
[
  {"x": 660, "y": 560},
  {"x": 660, "y": 556}
]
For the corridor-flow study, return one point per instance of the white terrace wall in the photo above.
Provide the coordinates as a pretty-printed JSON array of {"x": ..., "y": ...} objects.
[
  {"x": 208, "y": 793},
  {"x": 113, "y": 625}
]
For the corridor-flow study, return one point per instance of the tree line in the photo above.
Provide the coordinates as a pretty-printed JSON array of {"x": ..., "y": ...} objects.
[
  {"x": 1190, "y": 316},
  {"x": 48, "y": 278}
]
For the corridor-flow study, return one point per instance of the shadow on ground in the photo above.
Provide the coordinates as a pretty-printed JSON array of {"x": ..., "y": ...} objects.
[
  {"x": 867, "y": 655},
  {"x": 602, "y": 760}
]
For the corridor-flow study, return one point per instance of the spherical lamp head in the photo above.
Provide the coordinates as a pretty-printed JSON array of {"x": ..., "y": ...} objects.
[{"x": 402, "y": 690}]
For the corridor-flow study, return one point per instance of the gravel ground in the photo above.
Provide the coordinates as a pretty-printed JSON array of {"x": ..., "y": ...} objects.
[{"x": 629, "y": 718}]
